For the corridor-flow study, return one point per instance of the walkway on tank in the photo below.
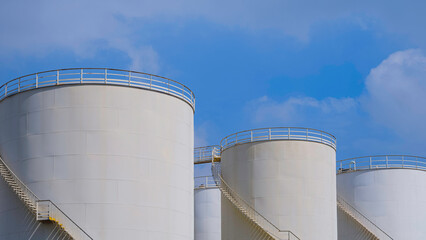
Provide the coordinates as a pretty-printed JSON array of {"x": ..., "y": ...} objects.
[
  {"x": 103, "y": 76},
  {"x": 207, "y": 154}
]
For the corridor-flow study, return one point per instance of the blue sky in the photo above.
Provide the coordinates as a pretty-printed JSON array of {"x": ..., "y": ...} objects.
[{"x": 355, "y": 69}]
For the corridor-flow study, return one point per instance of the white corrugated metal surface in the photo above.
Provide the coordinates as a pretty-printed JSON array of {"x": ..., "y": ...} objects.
[
  {"x": 207, "y": 214},
  {"x": 393, "y": 199},
  {"x": 118, "y": 160},
  {"x": 290, "y": 182}
]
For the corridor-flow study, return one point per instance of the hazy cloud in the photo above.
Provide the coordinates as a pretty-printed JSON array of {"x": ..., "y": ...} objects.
[
  {"x": 38, "y": 27},
  {"x": 302, "y": 109},
  {"x": 83, "y": 27},
  {"x": 394, "y": 100},
  {"x": 396, "y": 93}
]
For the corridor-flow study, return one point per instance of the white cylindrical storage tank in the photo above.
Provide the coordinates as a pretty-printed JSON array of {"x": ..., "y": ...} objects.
[
  {"x": 112, "y": 148},
  {"x": 207, "y": 218},
  {"x": 389, "y": 190},
  {"x": 287, "y": 175}
]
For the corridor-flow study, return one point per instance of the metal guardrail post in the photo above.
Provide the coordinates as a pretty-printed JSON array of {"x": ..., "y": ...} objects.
[
  {"x": 251, "y": 136},
  {"x": 57, "y": 77},
  {"x": 106, "y": 76},
  {"x": 37, "y": 79},
  {"x": 269, "y": 134},
  {"x": 288, "y": 132},
  {"x": 5, "y": 90},
  {"x": 81, "y": 75},
  {"x": 402, "y": 161},
  {"x": 352, "y": 163},
  {"x": 130, "y": 77},
  {"x": 387, "y": 165},
  {"x": 150, "y": 81},
  {"x": 371, "y": 164},
  {"x": 307, "y": 134},
  {"x": 19, "y": 85}
]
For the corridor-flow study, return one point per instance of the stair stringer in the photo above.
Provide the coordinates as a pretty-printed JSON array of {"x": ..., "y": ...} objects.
[
  {"x": 65, "y": 227},
  {"x": 263, "y": 227},
  {"x": 368, "y": 230}
]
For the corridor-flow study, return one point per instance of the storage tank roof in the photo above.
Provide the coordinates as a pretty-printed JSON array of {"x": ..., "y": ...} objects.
[
  {"x": 380, "y": 162},
  {"x": 104, "y": 76},
  {"x": 278, "y": 133}
]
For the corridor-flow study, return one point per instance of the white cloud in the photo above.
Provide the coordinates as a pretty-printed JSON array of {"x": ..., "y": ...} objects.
[
  {"x": 389, "y": 116},
  {"x": 302, "y": 110},
  {"x": 144, "y": 58},
  {"x": 396, "y": 93},
  {"x": 38, "y": 27},
  {"x": 84, "y": 27}
]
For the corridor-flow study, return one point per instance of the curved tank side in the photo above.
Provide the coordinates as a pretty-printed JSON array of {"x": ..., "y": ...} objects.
[
  {"x": 207, "y": 217},
  {"x": 393, "y": 199},
  {"x": 118, "y": 160},
  {"x": 290, "y": 182}
]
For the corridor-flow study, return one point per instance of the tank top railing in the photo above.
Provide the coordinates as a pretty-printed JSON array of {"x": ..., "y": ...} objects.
[
  {"x": 381, "y": 161},
  {"x": 206, "y": 154},
  {"x": 245, "y": 208},
  {"x": 43, "y": 209},
  {"x": 278, "y": 133},
  {"x": 102, "y": 76},
  {"x": 204, "y": 182}
]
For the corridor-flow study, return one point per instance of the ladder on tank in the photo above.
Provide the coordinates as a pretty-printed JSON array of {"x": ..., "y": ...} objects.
[
  {"x": 369, "y": 230},
  {"x": 265, "y": 229},
  {"x": 44, "y": 210}
]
